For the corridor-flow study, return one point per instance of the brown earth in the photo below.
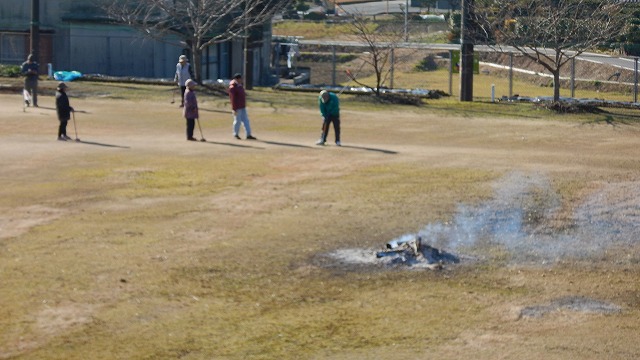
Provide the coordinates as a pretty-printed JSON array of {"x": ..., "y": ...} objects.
[{"x": 108, "y": 244}]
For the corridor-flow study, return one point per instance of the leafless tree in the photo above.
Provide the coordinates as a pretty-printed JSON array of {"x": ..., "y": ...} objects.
[
  {"x": 380, "y": 45},
  {"x": 550, "y": 32},
  {"x": 195, "y": 24}
]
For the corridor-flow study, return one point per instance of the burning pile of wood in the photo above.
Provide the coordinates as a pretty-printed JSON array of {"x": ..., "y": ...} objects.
[{"x": 414, "y": 251}]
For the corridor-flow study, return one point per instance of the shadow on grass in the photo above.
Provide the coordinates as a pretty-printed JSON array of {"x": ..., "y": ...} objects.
[
  {"x": 102, "y": 144},
  {"x": 235, "y": 145},
  {"x": 614, "y": 119},
  {"x": 384, "y": 151},
  {"x": 287, "y": 144},
  {"x": 40, "y": 108}
]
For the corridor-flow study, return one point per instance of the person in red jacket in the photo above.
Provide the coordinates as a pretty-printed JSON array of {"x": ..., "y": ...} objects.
[{"x": 238, "y": 100}]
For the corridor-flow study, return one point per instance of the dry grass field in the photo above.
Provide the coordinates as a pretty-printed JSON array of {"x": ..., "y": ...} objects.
[{"x": 136, "y": 244}]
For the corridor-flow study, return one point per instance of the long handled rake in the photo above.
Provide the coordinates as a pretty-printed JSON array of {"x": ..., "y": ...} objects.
[
  {"x": 75, "y": 129},
  {"x": 200, "y": 128}
]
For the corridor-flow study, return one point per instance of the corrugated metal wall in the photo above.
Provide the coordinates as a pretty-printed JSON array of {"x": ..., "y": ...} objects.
[
  {"x": 119, "y": 52},
  {"x": 78, "y": 41}
]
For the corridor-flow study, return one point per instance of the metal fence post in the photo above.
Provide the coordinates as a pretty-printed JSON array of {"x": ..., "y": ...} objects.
[
  {"x": 573, "y": 77},
  {"x": 333, "y": 75},
  {"x": 450, "y": 72},
  {"x": 392, "y": 66},
  {"x": 510, "y": 75},
  {"x": 635, "y": 80}
]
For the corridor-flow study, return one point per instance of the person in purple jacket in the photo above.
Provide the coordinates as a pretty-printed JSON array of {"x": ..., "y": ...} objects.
[{"x": 190, "y": 110}]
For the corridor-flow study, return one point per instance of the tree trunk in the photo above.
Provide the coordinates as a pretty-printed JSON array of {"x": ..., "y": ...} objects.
[
  {"x": 556, "y": 85},
  {"x": 197, "y": 63}
]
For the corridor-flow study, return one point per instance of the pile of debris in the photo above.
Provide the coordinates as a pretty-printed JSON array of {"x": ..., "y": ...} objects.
[{"x": 413, "y": 251}]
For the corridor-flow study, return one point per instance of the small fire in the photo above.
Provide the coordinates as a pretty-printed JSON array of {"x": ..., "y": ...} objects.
[{"x": 414, "y": 251}]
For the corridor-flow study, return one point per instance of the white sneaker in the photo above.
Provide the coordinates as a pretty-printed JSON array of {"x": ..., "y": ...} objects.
[
  {"x": 320, "y": 142},
  {"x": 338, "y": 143}
]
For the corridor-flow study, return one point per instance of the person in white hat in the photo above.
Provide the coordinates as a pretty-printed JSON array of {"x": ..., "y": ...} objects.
[
  {"x": 63, "y": 109},
  {"x": 183, "y": 73}
]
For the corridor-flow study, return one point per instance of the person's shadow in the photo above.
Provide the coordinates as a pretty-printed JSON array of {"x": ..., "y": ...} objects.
[
  {"x": 101, "y": 144},
  {"x": 384, "y": 151},
  {"x": 235, "y": 145},
  {"x": 286, "y": 144}
]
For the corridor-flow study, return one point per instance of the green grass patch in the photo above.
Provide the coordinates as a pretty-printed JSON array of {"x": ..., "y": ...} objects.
[{"x": 311, "y": 30}]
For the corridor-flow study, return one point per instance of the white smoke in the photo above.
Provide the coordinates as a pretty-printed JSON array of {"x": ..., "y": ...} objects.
[{"x": 517, "y": 221}]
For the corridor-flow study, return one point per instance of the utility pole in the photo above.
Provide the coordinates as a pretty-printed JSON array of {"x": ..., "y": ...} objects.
[
  {"x": 466, "y": 52},
  {"x": 406, "y": 21},
  {"x": 245, "y": 49},
  {"x": 35, "y": 29}
]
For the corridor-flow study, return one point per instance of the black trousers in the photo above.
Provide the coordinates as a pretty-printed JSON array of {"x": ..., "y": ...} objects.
[
  {"x": 62, "y": 129},
  {"x": 336, "y": 127},
  {"x": 182, "y": 90},
  {"x": 191, "y": 124}
]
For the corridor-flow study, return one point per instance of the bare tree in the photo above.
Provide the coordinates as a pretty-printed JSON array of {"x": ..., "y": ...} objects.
[
  {"x": 195, "y": 24},
  {"x": 550, "y": 32},
  {"x": 380, "y": 45}
]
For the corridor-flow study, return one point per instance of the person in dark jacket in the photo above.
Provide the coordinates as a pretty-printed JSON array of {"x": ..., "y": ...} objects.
[
  {"x": 190, "y": 110},
  {"x": 30, "y": 71},
  {"x": 330, "y": 110},
  {"x": 238, "y": 100},
  {"x": 64, "y": 111}
]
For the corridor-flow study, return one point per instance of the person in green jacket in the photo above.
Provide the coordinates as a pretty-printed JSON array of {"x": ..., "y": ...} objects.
[{"x": 330, "y": 110}]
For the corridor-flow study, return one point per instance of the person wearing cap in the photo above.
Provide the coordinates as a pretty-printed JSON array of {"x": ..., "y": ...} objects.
[
  {"x": 30, "y": 71},
  {"x": 239, "y": 107},
  {"x": 183, "y": 73},
  {"x": 64, "y": 110},
  {"x": 330, "y": 110},
  {"x": 190, "y": 110}
]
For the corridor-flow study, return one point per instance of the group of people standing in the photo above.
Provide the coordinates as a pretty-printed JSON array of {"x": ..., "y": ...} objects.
[
  {"x": 30, "y": 69},
  {"x": 189, "y": 101},
  {"x": 328, "y": 103}
]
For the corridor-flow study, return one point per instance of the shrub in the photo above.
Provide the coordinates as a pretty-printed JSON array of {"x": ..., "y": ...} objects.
[
  {"x": 428, "y": 63},
  {"x": 9, "y": 70},
  {"x": 315, "y": 15}
]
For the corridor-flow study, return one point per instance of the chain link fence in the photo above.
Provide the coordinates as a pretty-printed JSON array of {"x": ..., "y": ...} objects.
[{"x": 498, "y": 75}]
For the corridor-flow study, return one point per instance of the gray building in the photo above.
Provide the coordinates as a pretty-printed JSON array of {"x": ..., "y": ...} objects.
[{"x": 75, "y": 36}]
